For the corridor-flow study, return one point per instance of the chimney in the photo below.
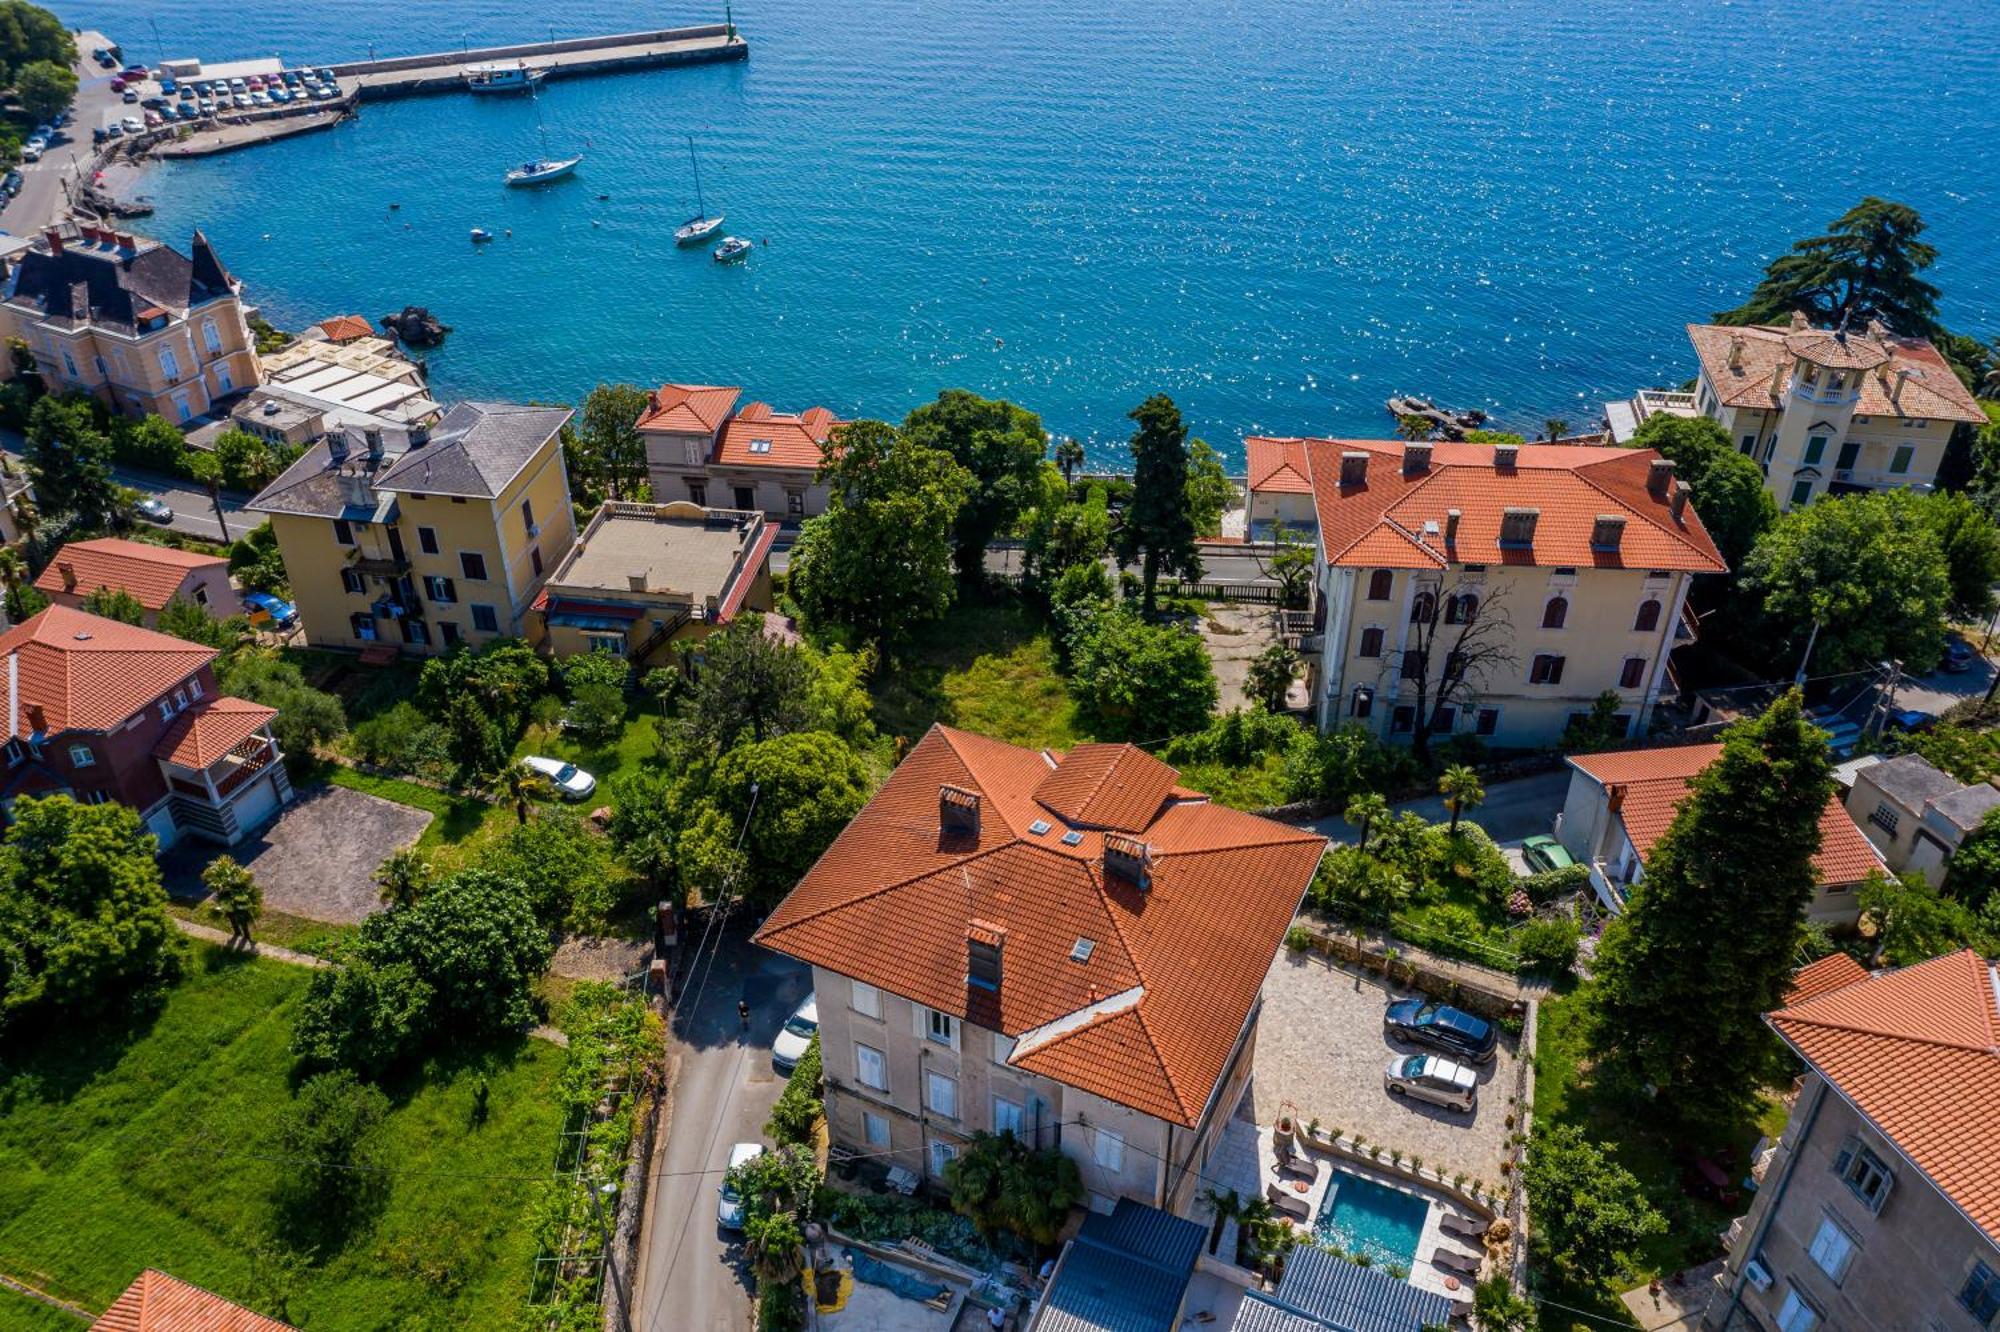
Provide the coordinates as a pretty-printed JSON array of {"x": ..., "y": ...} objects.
[
  {"x": 68, "y": 572},
  {"x": 1735, "y": 351},
  {"x": 1416, "y": 459},
  {"x": 635, "y": 582},
  {"x": 37, "y": 723},
  {"x": 1660, "y": 478},
  {"x": 1451, "y": 517},
  {"x": 54, "y": 237},
  {"x": 336, "y": 447},
  {"x": 1506, "y": 456},
  {"x": 1129, "y": 859},
  {"x": 1614, "y": 799},
  {"x": 1353, "y": 469},
  {"x": 984, "y": 944},
  {"x": 1680, "y": 499},
  {"x": 127, "y": 242},
  {"x": 1608, "y": 532},
  {"x": 958, "y": 811},
  {"x": 1517, "y": 527},
  {"x": 1799, "y": 324}
]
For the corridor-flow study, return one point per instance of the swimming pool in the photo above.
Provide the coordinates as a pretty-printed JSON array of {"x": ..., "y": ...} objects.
[{"x": 1384, "y": 1223}]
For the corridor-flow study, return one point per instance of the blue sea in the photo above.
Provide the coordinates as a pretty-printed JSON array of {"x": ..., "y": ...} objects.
[{"x": 1278, "y": 211}]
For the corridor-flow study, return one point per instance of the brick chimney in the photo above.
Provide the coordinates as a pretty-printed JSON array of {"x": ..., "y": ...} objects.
[
  {"x": 1608, "y": 532},
  {"x": 1660, "y": 478},
  {"x": 1451, "y": 517},
  {"x": 958, "y": 811},
  {"x": 1614, "y": 799},
  {"x": 985, "y": 943},
  {"x": 68, "y": 572},
  {"x": 1128, "y": 859},
  {"x": 1680, "y": 499},
  {"x": 1506, "y": 456},
  {"x": 1416, "y": 459},
  {"x": 54, "y": 237},
  {"x": 1353, "y": 469},
  {"x": 1517, "y": 527}
]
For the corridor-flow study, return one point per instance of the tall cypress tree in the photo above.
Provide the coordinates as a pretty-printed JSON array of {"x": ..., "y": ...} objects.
[
  {"x": 1708, "y": 939},
  {"x": 1159, "y": 527}
]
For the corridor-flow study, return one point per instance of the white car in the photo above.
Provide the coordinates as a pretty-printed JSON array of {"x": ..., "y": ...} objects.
[
  {"x": 729, "y": 1212},
  {"x": 1431, "y": 1078},
  {"x": 573, "y": 782},
  {"x": 790, "y": 1047}
]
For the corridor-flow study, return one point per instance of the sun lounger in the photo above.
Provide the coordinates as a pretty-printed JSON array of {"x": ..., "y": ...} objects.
[
  {"x": 1291, "y": 1204},
  {"x": 1454, "y": 1261},
  {"x": 1297, "y": 1166},
  {"x": 1465, "y": 1227}
]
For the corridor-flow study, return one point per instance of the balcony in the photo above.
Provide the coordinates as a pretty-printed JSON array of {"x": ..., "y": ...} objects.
[
  {"x": 1688, "y": 628},
  {"x": 227, "y": 775},
  {"x": 382, "y": 566}
]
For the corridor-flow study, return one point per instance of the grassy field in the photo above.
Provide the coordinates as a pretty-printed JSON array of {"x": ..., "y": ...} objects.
[
  {"x": 637, "y": 743},
  {"x": 157, "y": 1146},
  {"x": 988, "y": 668},
  {"x": 18, "y": 1313},
  {"x": 301, "y": 934}
]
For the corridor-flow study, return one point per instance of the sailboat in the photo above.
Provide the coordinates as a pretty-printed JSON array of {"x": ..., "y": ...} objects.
[
  {"x": 544, "y": 168},
  {"x": 701, "y": 226}
]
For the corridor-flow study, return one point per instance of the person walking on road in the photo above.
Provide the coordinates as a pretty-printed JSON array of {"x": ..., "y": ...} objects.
[{"x": 743, "y": 1013}]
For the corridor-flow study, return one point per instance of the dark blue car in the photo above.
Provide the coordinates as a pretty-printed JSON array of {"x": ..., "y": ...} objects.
[
  {"x": 1458, "y": 1034},
  {"x": 283, "y": 613}
]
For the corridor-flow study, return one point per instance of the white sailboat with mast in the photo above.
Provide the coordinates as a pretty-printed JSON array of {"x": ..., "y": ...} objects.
[
  {"x": 701, "y": 226},
  {"x": 544, "y": 168}
]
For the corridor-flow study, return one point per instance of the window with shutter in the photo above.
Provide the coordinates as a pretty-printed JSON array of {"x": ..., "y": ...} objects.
[
  {"x": 1832, "y": 1249},
  {"x": 1864, "y": 1173}
]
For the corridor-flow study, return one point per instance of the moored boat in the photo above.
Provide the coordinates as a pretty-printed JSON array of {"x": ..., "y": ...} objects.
[
  {"x": 542, "y": 170},
  {"x": 480, "y": 235},
  {"x": 503, "y": 78},
  {"x": 732, "y": 250},
  {"x": 701, "y": 226}
]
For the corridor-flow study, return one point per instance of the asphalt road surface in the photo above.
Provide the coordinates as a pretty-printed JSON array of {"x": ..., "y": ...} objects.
[
  {"x": 41, "y": 199},
  {"x": 691, "y": 1272},
  {"x": 1511, "y": 810},
  {"x": 194, "y": 512}
]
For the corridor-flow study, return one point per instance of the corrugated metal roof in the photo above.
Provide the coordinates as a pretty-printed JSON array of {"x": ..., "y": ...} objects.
[
  {"x": 1351, "y": 1298},
  {"x": 1125, "y": 1272},
  {"x": 1147, "y": 1233}
]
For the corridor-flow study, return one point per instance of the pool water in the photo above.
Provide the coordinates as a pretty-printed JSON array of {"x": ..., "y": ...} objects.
[{"x": 1359, "y": 1214}]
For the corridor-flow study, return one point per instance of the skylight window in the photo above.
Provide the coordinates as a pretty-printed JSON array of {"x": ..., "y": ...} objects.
[
  {"x": 1081, "y": 950},
  {"x": 1038, "y": 827},
  {"x": 760, "y": 446},
  {"x": 1072, "y": 839}
]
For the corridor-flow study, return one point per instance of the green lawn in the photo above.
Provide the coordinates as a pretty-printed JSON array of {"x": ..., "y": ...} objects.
[
  {"x": 984, "y": 667},
  {"x": 637, "y": 743},
  {"x": 18, "y": 1313},
  {"x": 301, "y": 934},
  {"x": 152, "y": 1146}
]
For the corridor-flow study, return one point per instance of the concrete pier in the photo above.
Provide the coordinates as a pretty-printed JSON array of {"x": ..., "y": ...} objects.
[{"x": 409, "y": 76}]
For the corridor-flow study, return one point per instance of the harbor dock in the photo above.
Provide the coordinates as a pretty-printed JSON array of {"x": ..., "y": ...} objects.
[{"x": 408, "y": 76}]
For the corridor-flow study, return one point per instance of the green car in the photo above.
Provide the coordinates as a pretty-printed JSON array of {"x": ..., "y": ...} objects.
[{"x": 1544, "y": 853}]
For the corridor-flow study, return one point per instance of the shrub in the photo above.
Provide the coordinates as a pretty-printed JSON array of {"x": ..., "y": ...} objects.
[
  {"x": 1470, "y": 863},
  {"x": 1547, "y": 945},
  {"x": 596, "y": 668},
  {"x": 597, "y": 711},
  {"x": 565, "y": 868},
  {"x": 1137, "y": 680},
  {"x": 1238, "y": 737},
  {"x": 1003, "y": 1184},
  {"x": 327, "y": 1130},
  {"x": 1351, "y": 880},
  {"x": 1298, "y": 939},
  {"x": 1547, "y": 886},
  {"x": 799, "y": 1108}
]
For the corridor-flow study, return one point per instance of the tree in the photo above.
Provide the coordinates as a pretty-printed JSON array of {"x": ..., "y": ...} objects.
[
  {"x": 786, "y": 799},
  {"x": 307, "y": 717},
  {"x": 999, "y": 1183},
  {"x": 329, "y": 1134},
  {"x": 477, "y": 745},
  {"x": 775, "y": 1246},
  {"x": 1866, "y": 267},
  {"x": 878, "y": 561},
  {"x": 1137, "y": 680},
  {"x": 30, "y": 34},
  {"x": 1414, "y": 428},
  {"x": 1706, "y": 944},
  {"x": 1496, "y": 1308},
  {"x": 1271, "y": 676},
  {"x": 1971, "y": 546},
  {"x": 1555, "y": 428},
  {"x": 1209, "y": 491},
  {"x": 185, "y": 619},
  {"x": 1600, "y": 728},
  {"x": 1159, "y": 527},
  {"x": 1974, "y": 872},
  {"x": 1588, "y": 1208},
  {"x": 404, "y": 878},
  {"x": 69, "y": 459},
  {"x": 233, "y": 895},
  {"x": 608, "y": 435},
  {"x": 1064, "y": 534},
  {"x": 749, "y": 686},
  {"x": 1069, "y": 457},
  {"x": 151, "y": 441},
  {"x": 1364, "y": 810},
  {"x": 256, "y": 562},
  {"x": 565, "y": 868},
  {"x": 84, "y": 927},
  {"x": 1293, "y": 564},
  {"x": 14, "y": 576},
  {"x": 1726, "y": 487},
  {"x": 1461, "y": 788},
  {"x": 1001, "y": 447},
  {"x": 597, "y": 711},
  {"x": 1457, "y": 637},
  {"x": 246, "y": 461},
  {"x": 362, "y": 1015},
  {"x": 1867, "y": 569},
  {"x": 519, "y": 787},
  {"x": 1913, "y": 922},
  {"x": 115, "y": 603}
]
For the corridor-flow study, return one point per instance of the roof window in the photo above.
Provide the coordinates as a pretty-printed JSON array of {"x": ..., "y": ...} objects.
[
  {"x": 1081, "y": 950},
  {"x": 760, "y": 446},
  {"x": 1072, "y": 839},
  {"x": 1039, "y": 827}
]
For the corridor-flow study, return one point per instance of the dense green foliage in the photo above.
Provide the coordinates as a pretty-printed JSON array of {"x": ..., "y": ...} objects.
[
  {"x": 1159, "y": 527},
  {"x": 748, "y": 686},
  {"x": 234, "y": 895},
  {"x": 807, "y": 786},
  {"x": 1726, "y": 487},
  {"x": 1001, "y": 448},
  {"x": 330, "y": 1132},
  {"x": 1706, "y": 944},
  {"x": 1137, "y": 680},
  {"x": 1866, "y": 266},
  {"x": 565, "y": 867},
  {"x": 1913, "y": 922},
  {"x": 185, "y": 619},
  {"x": 1589, "y": 1211},
  {"x": 1001, "y": 1183},
  {"x": 799, "y": 1108},
  {"x": 1271, "y": 676},
  {"x": 1208, "y": 489},
  {"x": 1599, "y": 728},
  {"x": 1974, "y": 873},
  {"x": 28, "y": 34},
  {"x": 69, "y": 460},
  {"x": 307, "y": 718},
  {"x": 603, "y": 450},
  {"x": 115, "y": 603},
  {"x": 255, "y": 562}
]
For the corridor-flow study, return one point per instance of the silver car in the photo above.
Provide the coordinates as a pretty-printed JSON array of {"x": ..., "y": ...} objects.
[{"x": 1434, "y": 1079}]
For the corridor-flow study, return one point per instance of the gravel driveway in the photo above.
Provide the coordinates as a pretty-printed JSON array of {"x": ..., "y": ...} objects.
[{"x": 1321, "y": 1051}]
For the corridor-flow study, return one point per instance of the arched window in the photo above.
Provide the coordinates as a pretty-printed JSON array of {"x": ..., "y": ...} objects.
[
  {"x": 1379, "y": 583},
  {"x": 1555, "y": 613},
  {"x": 1461, "y": 608},
  {"x": 1649, "y": 616},
  {"x": 1371, "y": 642},
  {"x": 1423, "y": 608}
]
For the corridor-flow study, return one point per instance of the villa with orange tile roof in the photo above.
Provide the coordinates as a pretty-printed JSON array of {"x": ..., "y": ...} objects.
[
  {"x": 1279, "y": 489},
  {"x": 1619, "y": 806},
  {"x": 1822, "y": 411},
  {"x": 156, "y": 1302},
  {"x": 155, "y": 575},
  {"x": 1069, "y": 947},
  {"x": 102, "y": 710},
  {"x": 1878, "y": 1209},
  {"x": 1494, "y": 590},
  {"x": 702, "y": 448}
]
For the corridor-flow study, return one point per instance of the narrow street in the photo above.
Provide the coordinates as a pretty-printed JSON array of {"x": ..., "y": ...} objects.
[
  {"x": 194, "y": 512},
  {"x": 691, "y": 1273}
]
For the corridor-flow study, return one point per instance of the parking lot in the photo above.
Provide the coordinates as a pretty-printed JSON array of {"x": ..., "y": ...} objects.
[{"x": 1320, "y": 1055}]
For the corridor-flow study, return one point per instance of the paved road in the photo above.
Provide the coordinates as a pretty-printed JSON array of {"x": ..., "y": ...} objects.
[
  {"x": 41, "y": 199},
  {"x": 691, "y": 1273},
  {"x": 194, "y": 512},
  {"x": 1936, "y": 692},
  {"x": 1511, "y": 811}
]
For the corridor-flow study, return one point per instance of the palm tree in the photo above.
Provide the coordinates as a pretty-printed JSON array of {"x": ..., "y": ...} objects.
[
  {"x": 1363, "y": 811},
  {"x": 1413, "y": 427},
  {"x": 1069, "y": 457},
  {"x": 1227, "y": 1205},
  {"x": 26, "y": 516},
  {"x": 1461, "y": 790},
  {"x": 1555, "y": 427},
  {"x": 403, "y": 878},
  {"x": 520, "y": 787},
  {"x": 775, "y": 1247},
  {"x": 13, "y": 571},
  {"x": 206, "y": 469},
  {"x": 234, "y": 896}
]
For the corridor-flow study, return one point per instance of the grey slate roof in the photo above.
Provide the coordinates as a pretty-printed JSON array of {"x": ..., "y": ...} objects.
[
  {"x": 1125, "y": 1272},
  {"x": 1321, "y": 1292},
  {"x": 95, "y": 283},
  {"x": 311, "y": 487},
  {"x": 475, "y": 450},
  {"x": 1967, "y": 805},
  {"x": 1911, "y": 781}
]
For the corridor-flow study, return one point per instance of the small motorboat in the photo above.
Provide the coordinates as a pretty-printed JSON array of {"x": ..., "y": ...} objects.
[
  {"x": 542, "y": 170},
  {"x": 503, "y": 78},
  {"x": 732, "y": 250},
  {"x": 480, "y": 235}
]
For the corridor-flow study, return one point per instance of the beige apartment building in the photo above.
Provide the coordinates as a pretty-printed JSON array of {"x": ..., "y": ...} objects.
[
  {"x": 132, "y": 321},
  {"x": 1494, "y": 590},
  {"x": 447, "y": 541},
  {"x": 1067, "y": 947},
  {"x": 1876, "y": 1210}
]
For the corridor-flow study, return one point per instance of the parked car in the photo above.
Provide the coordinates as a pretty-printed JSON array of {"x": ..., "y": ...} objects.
[
  {"x": 1544, "y": 853},
  {"x": 1431, "y": 1078},
  {"x": 283, "y": 613},
  {"x": 573, "y": 782},
  {"x": 106, "y": 62},
  {"x": 790, "y": 1047},
  {"x": 1958, "y": 656},
  {"x": 729, "y": 1212},
  {"x": 130, "y": 98},
  {"x": 153, "y": 510},
  {"x": 114, "y": 131},
  {"x": 1457, "y": 1033},
  {"x": 12, "y": 184},
  {"x": 31, "y": 152}
]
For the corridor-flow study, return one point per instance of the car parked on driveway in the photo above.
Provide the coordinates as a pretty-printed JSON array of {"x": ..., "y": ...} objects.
[
  {"x": 1454, "y": 1031},
  {"x": 790, "y": 1047},
  {"x": 283, "y": 613},
  {"x": 1958, "y": 657},
  {"x": 729, "y": 1212},
  {"x": 1434, "y": 1079},
  {"x": 1544, "y": 853},
  {"x": 571, "y": 781}
]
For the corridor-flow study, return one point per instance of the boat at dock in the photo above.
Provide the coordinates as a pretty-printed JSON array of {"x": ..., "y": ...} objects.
[
  {"x": 701, "y": 226},
  {"x": 542, "y": 170},
  {"x": 520, "y": 77},
  {"x": 732, "y": 250}
]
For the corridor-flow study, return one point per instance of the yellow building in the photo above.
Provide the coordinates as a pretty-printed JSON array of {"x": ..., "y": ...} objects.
[
  {"x": 133, "y": 321},
  {"x": 445, "y": 542},
  {"x": 643, "y": 577}
]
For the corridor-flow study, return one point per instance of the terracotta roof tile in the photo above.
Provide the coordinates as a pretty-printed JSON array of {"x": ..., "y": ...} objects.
[
  {"x": 759, "y": 437},
  {"x": 210, "y": 729},
  {"x": 1828, "y": 974},
  {"x": 698, "y": 409},
  {"x": 892, "y": 900},
  {"x": 1906, "y": 378},
  {"x": 157, "y": 1302},
  {"x": 151, "y": 573},
  {"x": 1918, "y": 1051},
  {"x": 346, "y": 328},
  {"x": 1656, "y": 783},
  {"x": 1397, "y": 519},
  {"x": 85, "y": 672},
  {"x": 1277, "y": 465}
]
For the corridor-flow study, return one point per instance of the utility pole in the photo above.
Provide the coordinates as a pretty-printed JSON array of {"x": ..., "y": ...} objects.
[
  {"x": 1800, "y": 678},
  {"x": 610, "y": 1267},
  {"x": 1886, "y": 704}
]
